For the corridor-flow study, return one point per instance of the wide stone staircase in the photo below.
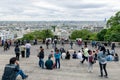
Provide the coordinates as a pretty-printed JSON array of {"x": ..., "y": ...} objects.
[{"x": 70, "y": 69}]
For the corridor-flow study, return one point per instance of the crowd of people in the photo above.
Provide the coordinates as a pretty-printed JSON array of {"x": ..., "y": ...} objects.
[{"x": 99, "y": 53}]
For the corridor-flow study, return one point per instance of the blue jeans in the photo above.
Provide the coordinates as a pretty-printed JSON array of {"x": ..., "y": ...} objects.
[
  {"x": 41, "y": 63},
  {"x": 21, "y": 73},
  {"x": 27, "y": 52},
  {"x": 57, "y": 61}
]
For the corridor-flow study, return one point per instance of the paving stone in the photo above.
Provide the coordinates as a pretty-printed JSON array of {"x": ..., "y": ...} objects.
[{"x": 70, "y": 69}]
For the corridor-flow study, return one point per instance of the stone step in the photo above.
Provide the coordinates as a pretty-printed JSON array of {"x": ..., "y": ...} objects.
[{"x": 70, "y": 69}]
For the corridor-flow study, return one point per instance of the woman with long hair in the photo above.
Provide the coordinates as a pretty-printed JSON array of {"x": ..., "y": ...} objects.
[{"x": 102, "y": 61}]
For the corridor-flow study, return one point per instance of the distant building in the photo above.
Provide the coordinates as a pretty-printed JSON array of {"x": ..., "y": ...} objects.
[
  {"x": 97, "y": 29},
  {"x": 6, "y": 35},
  {"x": 61, "y": 33},
  {"x": 93, "y": 28}
]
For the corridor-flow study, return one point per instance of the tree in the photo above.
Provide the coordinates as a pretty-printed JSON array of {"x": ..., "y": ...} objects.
[
  {"x": 93, "y": 36},
  {"x": 114, "y": 20},
  {"x": 84, "y": 34},
  {"x": 46, "y": 33},
  {"x": 112, "y": 33},
  {"x": 38, "y": 35},
  {"x": 101, "y": 35},
  {"x": 115, "y": 37},
  {"x": 28, "y": 37}
]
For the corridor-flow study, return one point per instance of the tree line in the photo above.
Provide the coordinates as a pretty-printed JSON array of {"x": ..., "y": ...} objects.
[{"x": 111, "y": 33}]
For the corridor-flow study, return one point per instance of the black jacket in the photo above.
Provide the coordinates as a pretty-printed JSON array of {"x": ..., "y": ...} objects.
[
  {"x": 10, "y": 72},
  {"x": 41, "y": 54},
  {"x": 17, "y": 50}
]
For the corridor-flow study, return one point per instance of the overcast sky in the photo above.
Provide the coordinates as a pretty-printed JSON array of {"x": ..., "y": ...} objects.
[{"x": 38, "y": 10}]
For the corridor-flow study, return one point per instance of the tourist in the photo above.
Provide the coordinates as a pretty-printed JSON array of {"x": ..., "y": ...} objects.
[
  {"x": 41, "y": 57},
  {"x": 93, "y": 43},
  {"x": 17, "y": 52},
  {"x": 63, "y": 56},
  {"x": 85, "y": 54},
  {"x": 116, "y": 57},
  {"x": 57, "y": 56},
  {"x": 74, "y": 56},
  {"x": 79, "y": 55},
  {"x": 27, "y": 46},
  {"x": 12, "y": 70},
  {"x": 47, "y": 44},
  {"x": 2, "y": 43},
  {"x": 62, "y": 43},
  {"x": 49, "y": 64},
  {"x": 22, "y": 49},
  {"x": 67, "y": 55},
  {"x": 51, "y": 54},
  {"x": 55, "y": 42},
  {"x": 109, "y": 56},
  {"x": 102, "y": 61},
  {"x": 71, "y": 44},
  {"x": 35, "y": 41},
  {"x": 79, "y": 42},
  {"x": 113, "y": 48},
  {"x": 62, "y": 50},
  {"x": 5, "y": 46},
  {"x": 90, "y": 61}
]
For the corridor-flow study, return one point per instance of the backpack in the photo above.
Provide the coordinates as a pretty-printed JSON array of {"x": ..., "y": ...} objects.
[{"x": 91, "y": 59}]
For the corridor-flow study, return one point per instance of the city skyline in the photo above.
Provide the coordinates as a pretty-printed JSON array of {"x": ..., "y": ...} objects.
[{"x": 54, "y": 10}]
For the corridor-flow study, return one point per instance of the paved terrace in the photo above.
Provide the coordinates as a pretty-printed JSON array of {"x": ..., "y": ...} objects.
[{"x": 70, "y": 69}]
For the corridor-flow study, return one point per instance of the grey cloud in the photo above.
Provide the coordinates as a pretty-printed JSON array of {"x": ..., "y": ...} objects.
[
  {"x": 76, "y": 4},
  {"x": 67, "y": 9},
  {"x": 84, "y": 6}
]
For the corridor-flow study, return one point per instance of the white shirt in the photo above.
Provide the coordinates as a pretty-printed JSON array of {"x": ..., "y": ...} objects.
[
  {"x": 63, "y": 55},
  {"x": 27, "y": 45},
  {"x": 79, "y": 56}
]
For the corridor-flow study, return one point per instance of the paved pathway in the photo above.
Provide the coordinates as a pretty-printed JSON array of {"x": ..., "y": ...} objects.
[{"x": 70, "y": 69}]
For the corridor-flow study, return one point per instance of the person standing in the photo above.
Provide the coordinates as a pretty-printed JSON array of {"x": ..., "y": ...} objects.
[
  {"x": 55, "y": 42},
  {"x": 113, "y": 48},
  {"x": 47, "y": 44},
  {"x": 12, "y": 70},
  {"x": 2, "y": 42},
  {"x": 41, "y": 57},
  {"x": 71, "y": 44},
  {"x": 22, "y": 49},
  {"x": 17, "y": 52},
  {"x": 5, "y": 46},
  {"x": 27, "y": 46},
  {"x": 90, "y": 61},
  {"x": 57, "y": 56},
  {"x": 51, "y": 54},
  {"x": 102, "y": 61},
  {"x": 85, "y": 54}
]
